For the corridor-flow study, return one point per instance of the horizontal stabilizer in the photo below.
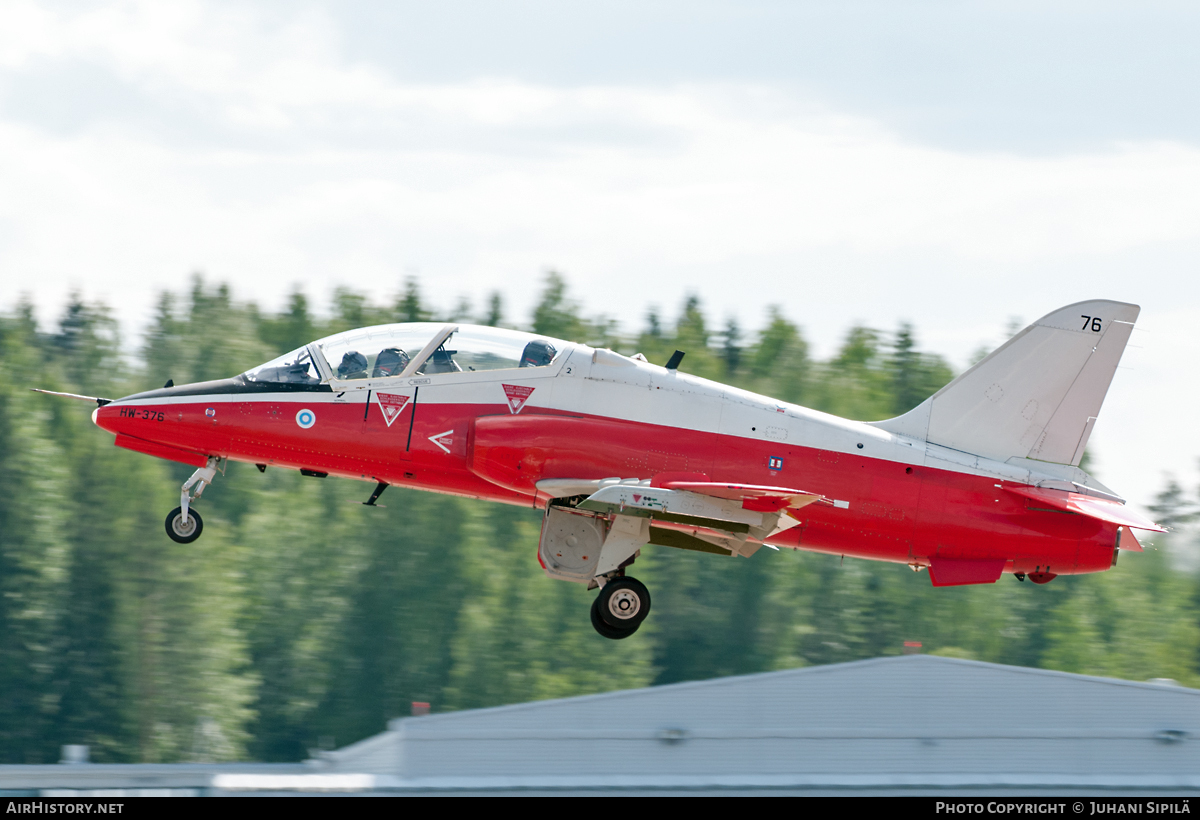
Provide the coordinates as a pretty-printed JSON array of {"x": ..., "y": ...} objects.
[
  {"x": 1099, "y": 508},
  {"x": 753, "y": 496},
  {"x": 953, "y": 572}
]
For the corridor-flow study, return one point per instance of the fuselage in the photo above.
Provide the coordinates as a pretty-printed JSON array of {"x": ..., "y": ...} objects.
[{"x": 593, "y": 414}]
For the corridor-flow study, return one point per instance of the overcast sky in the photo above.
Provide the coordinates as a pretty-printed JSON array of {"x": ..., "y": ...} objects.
[{"x": 950, "y": 164}]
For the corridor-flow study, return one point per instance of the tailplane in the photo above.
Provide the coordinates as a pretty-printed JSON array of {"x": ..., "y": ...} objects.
[{"x": 1037, "y": 396}]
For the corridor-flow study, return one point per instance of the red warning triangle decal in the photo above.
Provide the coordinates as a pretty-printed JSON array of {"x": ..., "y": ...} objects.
[
  {"x": 391, "y": 405},
  {"x": 517, "y": 396}
]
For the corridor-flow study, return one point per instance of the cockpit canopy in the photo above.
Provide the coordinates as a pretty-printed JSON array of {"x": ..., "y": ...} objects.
[{"x": 409, "y": 349}]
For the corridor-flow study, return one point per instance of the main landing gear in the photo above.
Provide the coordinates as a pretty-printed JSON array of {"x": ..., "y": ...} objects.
[
  {"x": 184, "y": 525},
  {"x": 620, "y": 608},
  {"x": 581, "y": 546}
]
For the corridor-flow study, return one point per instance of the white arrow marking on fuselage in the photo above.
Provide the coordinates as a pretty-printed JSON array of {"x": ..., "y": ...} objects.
[{"x": 437, "y": 440}]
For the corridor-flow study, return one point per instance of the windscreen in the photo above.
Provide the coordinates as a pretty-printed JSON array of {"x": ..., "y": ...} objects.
[{"x": 296, "y": 367}]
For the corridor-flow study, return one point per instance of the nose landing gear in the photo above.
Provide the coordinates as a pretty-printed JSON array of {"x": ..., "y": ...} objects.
[
  {"x": 620, "y": 608},
  {"x": 184, "y": 531},
  {"x": 183, "y": 524}
]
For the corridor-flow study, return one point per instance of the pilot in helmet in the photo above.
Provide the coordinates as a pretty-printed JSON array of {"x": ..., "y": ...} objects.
[
  {"x": 391, "y": 361},
  {"x": 353, "y": 366},
  {"x": 537, "y": 353}
]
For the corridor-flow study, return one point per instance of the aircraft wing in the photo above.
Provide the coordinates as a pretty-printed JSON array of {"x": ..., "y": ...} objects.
[
  {"x": 1101, "y": 509},
  {"x": 753, "y": 496},
  {"x": 735, "y": 517}
]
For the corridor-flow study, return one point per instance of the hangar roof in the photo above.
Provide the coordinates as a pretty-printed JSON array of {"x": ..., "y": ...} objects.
[
  {"x": 912, "y": 725},
  {"x": 887, "y": 720}
]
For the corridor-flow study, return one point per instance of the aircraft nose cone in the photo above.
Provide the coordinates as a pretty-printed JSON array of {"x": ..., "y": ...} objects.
[{"x": 106, "y": 418}]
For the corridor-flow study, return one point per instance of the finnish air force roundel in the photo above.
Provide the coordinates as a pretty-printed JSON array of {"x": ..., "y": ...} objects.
[
  {"x": 391, "y": 405},
  {"x": 517, "y": 396}
]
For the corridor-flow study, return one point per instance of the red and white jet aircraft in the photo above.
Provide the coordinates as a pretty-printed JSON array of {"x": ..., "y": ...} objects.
[{"x": 979, "y": 480}]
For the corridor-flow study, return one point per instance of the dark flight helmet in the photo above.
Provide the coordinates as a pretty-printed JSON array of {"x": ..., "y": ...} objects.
[
  {"x": 537, "y": 353},
  {"x": 391, "y": 361},
  {"x": 353, "y": 366}
]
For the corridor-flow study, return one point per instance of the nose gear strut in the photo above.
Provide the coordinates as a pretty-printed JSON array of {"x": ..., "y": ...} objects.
[{"x": 184, "y": 525}]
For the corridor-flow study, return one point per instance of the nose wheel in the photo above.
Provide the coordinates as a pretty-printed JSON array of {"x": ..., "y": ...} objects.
[
  {"x": 620, "y": 608},
  {"x": 183, "y": 523},
  {"x": 184, "y": 530}
]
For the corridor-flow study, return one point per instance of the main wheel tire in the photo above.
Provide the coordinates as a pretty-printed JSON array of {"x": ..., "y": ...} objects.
[
  {"x": 181, "y": 532},
  {"x": 611, "y": 632},
  {"x": 624, "y": 602}
]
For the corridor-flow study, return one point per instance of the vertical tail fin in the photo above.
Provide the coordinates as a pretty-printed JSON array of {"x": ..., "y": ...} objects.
[{"x": 1037, "y": 396}]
